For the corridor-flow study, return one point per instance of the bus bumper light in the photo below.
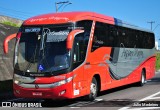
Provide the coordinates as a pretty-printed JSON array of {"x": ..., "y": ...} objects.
[
  {"x": 62, "y": 92},
  {"x": 17, "y": 91}
]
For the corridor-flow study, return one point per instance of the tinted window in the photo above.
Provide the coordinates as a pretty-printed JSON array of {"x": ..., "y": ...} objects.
[
  {"x": 107, "y": 35},
  {"x": 113, "y": 39},
  {"x": 100, "y": 35},
  {"x": 81, "y": 42}
]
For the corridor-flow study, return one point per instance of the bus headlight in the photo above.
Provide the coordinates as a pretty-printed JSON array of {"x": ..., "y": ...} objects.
[
  {"x": 60, "y": 83},
  {"x": 63, "y": 81},
  {"x": 16, "y": 81},
  {"x": 23, "y": 82},
  {"x": 23, "y": 79}
]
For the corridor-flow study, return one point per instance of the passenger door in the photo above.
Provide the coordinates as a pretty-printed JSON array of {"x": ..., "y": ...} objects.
[{"x": 79, "y": 52}]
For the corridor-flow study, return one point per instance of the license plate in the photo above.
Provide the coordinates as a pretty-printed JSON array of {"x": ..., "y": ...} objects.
[{"x": 37, "y": 93}]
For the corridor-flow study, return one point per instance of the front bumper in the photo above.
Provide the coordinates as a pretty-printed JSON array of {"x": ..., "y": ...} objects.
[{"x": 60, "y": 92}]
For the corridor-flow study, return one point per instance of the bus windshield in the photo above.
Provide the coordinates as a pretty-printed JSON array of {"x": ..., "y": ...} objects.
[{"x": 42, "y": 49}]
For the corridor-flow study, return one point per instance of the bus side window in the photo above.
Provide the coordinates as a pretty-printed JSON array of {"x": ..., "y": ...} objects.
[
  {"x": 113, "y": 36},
  {"x": 149, "y": 41},
  {"x": 121, "y": 36},
  {"x": 152, "y": 41},
  {"x": 79, "y": 49},
  {"x": 140, "y": 39},
  {"x": 100, "y": 35}
]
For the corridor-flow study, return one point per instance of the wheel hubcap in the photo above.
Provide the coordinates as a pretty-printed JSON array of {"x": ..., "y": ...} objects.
[
  {"x": 93, "y": 89},
  {"x": 143, "y": 79}
]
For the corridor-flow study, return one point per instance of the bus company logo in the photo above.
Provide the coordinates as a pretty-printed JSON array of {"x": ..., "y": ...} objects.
[
  {"x": 50, "y": 18},
  {"x": 36, "y": 86},
  {"x": 132, "y": 53}
]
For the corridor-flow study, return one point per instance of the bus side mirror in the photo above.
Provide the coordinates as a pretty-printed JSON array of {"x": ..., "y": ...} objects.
[
  {"x": 70, "y": 37},
  {"x": 7, "y": 39}
]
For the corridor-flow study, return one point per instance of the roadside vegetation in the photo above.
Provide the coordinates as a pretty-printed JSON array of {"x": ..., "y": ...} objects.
[
  {"x": 10, "y": 23},
  {"x": 158, "y": 61}
]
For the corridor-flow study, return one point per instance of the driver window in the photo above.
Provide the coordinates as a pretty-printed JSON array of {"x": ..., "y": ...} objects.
[{"x": 79, "y": 50}]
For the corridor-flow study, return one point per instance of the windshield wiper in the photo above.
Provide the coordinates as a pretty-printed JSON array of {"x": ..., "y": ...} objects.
[
  {"x": 30, "y": 60},
  {"x": 42, "y": 54}
]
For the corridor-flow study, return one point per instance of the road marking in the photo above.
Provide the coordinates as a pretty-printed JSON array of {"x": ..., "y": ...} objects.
[
  {"x": 144, "y": 99},
  {"x": 83, "y": 103},
  {"x": 155, "y": 98},
  {"x": 98, "y": 100},
  {"x": 75, "y": 107},
  {"x": 150, "y": 97},
  {"x": 144, "y": 108}
]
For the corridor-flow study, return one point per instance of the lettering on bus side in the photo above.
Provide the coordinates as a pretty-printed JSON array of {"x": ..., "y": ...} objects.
[
  {"x": 132, "y": 53},
  {"x": 50, "y": 18}
]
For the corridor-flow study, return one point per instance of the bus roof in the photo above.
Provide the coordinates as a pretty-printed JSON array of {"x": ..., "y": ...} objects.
[
  {"x": 66, "y": 17},
  {"x": 119, "y": 22},
  {"x": 56, "y": 18}
]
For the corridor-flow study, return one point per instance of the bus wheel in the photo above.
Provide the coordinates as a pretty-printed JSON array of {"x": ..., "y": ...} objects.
[
  {"x": 143, "y": 78},
  {"x": 93, "y": 90}
]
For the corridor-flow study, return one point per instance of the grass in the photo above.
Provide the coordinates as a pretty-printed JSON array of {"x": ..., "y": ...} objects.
[
  {"x": 158, "y": 61},
  {"x": 10, "y": 23}
]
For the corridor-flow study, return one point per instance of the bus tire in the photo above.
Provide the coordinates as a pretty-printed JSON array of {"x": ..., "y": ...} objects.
[
  {"x": 143, "y": 78},
  {"x": 93, "y": 90}
]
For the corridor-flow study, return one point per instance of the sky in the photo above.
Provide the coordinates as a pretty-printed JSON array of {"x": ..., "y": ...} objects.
[{"x": 137, "y": 12}]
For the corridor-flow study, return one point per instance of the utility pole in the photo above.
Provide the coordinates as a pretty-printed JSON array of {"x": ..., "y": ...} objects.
[
  {"x": 151, "y": 22},
  {"x": 61, "y": 4},
  {"x": 156, "y": 27}
]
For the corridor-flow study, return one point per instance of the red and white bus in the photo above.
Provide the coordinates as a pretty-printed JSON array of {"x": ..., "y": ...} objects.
[{"x": 74, "y": 54}]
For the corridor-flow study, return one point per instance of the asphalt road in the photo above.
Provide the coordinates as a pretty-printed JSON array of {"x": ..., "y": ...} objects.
[{"x": 131, "y": 97}]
